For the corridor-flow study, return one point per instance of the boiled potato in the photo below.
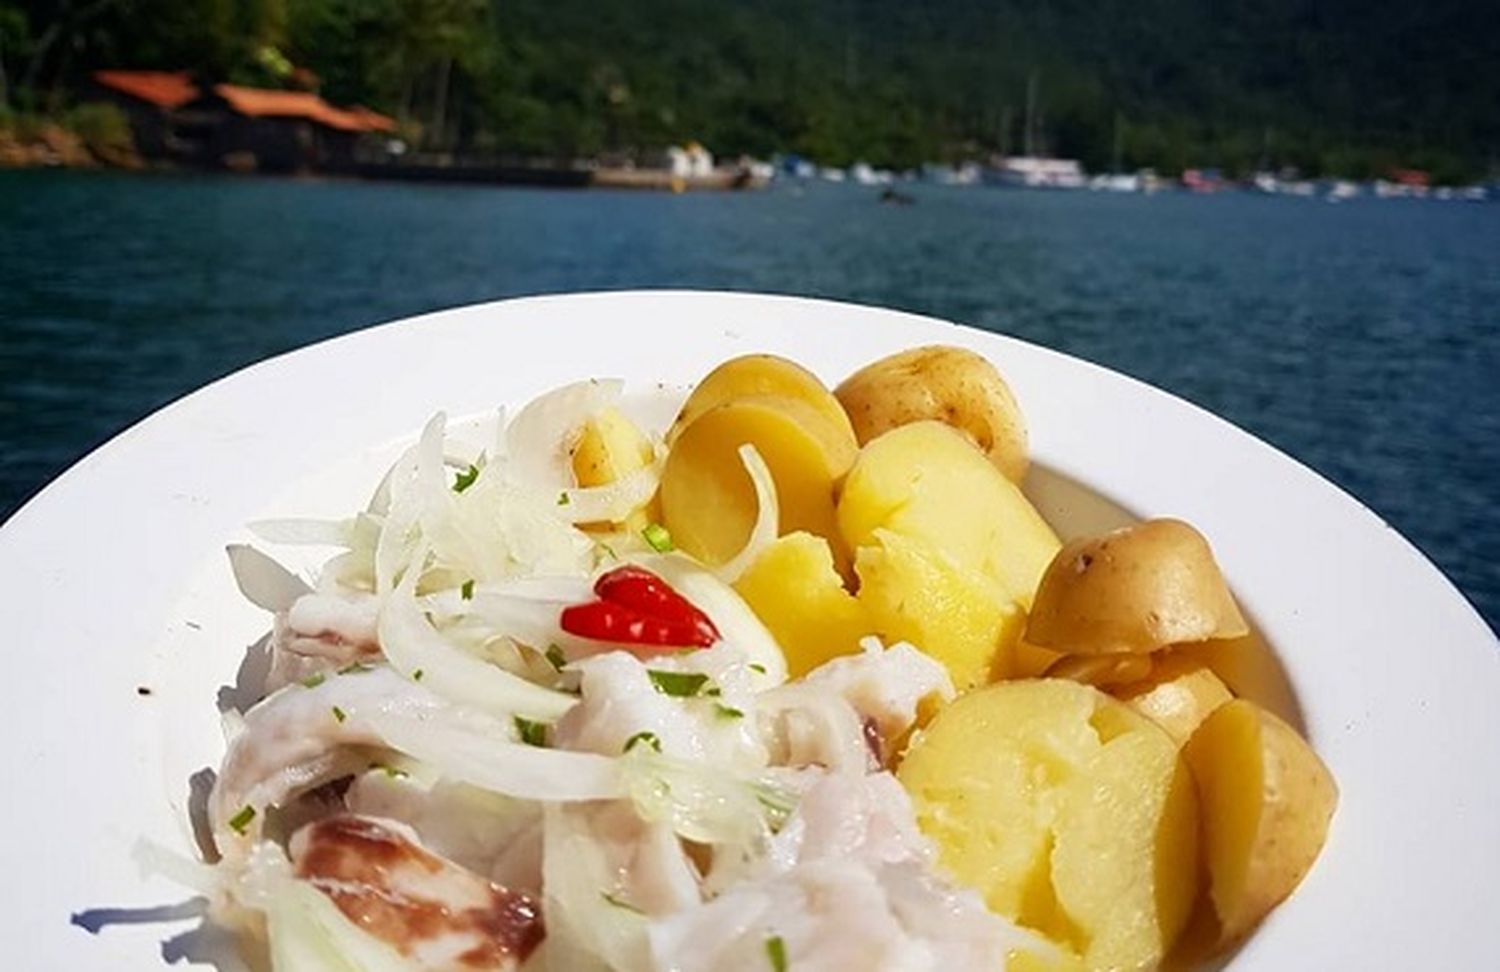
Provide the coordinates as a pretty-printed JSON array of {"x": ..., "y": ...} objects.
[
  {"x": 1136, "y": 589},
  {"x": 910, "y": 592},
  {"x": 608, "y": 449},
  {"x": 1267, "y": 800},
  {"x": 763, "y": 375},
  {"x": 1101, "y": 671},
  {"x": 1067, "y": 811},
  {"x": 797, "y": 593},
  {"x": 927, "y": 482},
  {"x": 707, "y": 499},
  {"x": 1178, "y": 694},
  {"x": 947, "y": 384}
]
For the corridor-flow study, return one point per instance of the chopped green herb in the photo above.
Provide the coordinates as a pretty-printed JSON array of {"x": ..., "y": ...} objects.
[
  {"x": 416, "y": 676},
  {"x": 393, "y": 772},
  {"x": 609, "y": 550},
  {"x": 727, "y": 712},
  {"x": 556, "y": 657},
  {"x": 466, "y": 478},
  {"x": 619, "y": 903},
  {"x": 355, "y": 667},
  {"x": 757, "y": 667},
  {"x": 531, "y": 733},
  {"x": 682, "y": 685},
  {"x": 776, "y": 952},
  {"x": 313, "y": 681},
  {"x": 467, "y": 590},
  {"x": 563, "y": 499},
  {"x": 241, "y": 821},
  {"x": 714, "y": 692},
  {"x": 648, "y": 737},
  {"x": 340, "y": 714},
  {"x": 657, "y": 537}
]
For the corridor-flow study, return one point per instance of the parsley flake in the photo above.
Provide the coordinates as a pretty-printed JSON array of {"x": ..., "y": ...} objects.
[
  {"x": 416, "y": 676},
  {"x": 682, "y": 685},
  {"x": 467, "y": 590},
  {"x": 657, "y": 537},
  {"x": 727, "y": 712},
  {"x": 556, "y": 657},
  {"x": 466, "y": 478},
  {"x": 340, "y": 714},
  {"x": 314, "y": 680},
  {"x": 563, "y": 499},
  {"x": 647, "y": 737},
  {"x": 241, "y": 821},
  {"x": 757, "y": 667},
  {"x": 531, "y": 733},
  {"x": 776, "y": 953}
]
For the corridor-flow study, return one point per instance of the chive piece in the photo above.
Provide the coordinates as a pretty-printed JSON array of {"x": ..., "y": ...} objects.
[
  {"x": 531, "y": 733},
  {"x": 416, "y": 676},
  {"x": 657, "y": 537},
  {"x": 757, "y": 667},
  {"x": 314, "y": 680},
  {"x": 619, "y": 903},
  {"x": 647, "y": 736},
  {"x": 240, "y": 822},
  {"x": 682, "y": 685},
  {"x": 340, "y": 714},
  {"x": 714, "y": 692},
  {"x": 556, "y": 657},
  {"x": 466, "y": 478},
  {"x": 467, "y": 591},
  {"x": 393, "y": 772},
  {"x": 727, "y": 712},
  {"x": 776, "y": 952},
  {"x": 355, "y": 667},
  {"x": 563, "y": 499}
]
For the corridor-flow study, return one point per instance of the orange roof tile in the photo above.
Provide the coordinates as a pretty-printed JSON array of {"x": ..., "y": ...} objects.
[
  {"x": 265, "y": 103},
  {"x": 165, "y": 89}
]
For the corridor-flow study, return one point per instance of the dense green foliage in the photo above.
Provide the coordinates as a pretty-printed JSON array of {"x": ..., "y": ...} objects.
[{"x": 1348, "y": 86}]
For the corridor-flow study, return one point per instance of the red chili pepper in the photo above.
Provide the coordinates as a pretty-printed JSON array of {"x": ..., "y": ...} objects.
[{"x": 636, "y": 607}]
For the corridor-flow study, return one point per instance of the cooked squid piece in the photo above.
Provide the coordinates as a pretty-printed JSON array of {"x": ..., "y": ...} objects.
[{"x": 433, "y": 912}]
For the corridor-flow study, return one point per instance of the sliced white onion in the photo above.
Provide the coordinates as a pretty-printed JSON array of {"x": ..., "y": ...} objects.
[
  {"x": 411, "y": 488},
  {"x": 767, "y": 517},
  {"x": 538, "y": 439},
  {"x": 263, "y": 581},
  {"x": 585, "y": 930},
  {"x": 411, "y": 644},
  {"x": 298, "y": 532},
  {"x": 611, "y": 502},
  {"x": 737, "y": 624},
  {"x": 490, "y": 763}
]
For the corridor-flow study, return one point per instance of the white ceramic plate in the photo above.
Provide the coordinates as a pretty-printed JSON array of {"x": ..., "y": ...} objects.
[{"x": 114, "y": 581}]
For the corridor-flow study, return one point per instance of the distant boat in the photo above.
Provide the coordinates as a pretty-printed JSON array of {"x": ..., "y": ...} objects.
[
  {"x": 1117, "y": 182},
  {"x": 1203, "y": 180},
  {"x": 1035, "y": 172}
]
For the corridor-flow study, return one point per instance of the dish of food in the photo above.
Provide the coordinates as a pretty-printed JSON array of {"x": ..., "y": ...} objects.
[{"x": 760, "y": 676}]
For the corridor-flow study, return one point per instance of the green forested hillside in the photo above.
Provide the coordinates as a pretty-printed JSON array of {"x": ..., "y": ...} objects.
[{"x": 1347, "y": 86}]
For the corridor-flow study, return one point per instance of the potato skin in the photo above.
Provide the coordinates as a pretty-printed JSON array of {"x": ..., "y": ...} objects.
[
  {"x": 1137, "y": 589},
  {"x": 1267, "y": 802},
  {"x": 947, "y": 384}
]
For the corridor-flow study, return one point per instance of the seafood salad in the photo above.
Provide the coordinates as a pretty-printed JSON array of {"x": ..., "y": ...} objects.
[{"x": 589, "y": 694}]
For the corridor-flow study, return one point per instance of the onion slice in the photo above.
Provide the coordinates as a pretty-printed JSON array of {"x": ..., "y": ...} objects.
[
  {"x": 767, "y": 517},
  {"x": 538, "y": 438},
  {"x": 263, "y": 581}
]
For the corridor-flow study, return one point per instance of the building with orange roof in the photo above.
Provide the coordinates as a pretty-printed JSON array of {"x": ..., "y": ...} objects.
[{"x": 237, "y": 126}]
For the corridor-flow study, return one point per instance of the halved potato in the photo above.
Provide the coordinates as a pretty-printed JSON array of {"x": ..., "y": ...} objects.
[
  {"x": 707, "y": 499},
  {"x": 1101, "y": 671},
  {"x": 609, "y": 448},
  {"x": 1137, "y": 589},
  {"x": 1067, "y": 811},
  {"x": 1179, "y": 693},
  {"x": 947, "y": 384},
  {"x": 910, "y": 592},
  {"x": 1267, "y": 801},
  {"x": 762, "y": 375},
  {"x": 797, "y": 593},
  {"x": 927, "y": 482}
]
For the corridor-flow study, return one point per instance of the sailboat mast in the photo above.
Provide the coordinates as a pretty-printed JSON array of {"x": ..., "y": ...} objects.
[{"x": 1030, "y": 136}]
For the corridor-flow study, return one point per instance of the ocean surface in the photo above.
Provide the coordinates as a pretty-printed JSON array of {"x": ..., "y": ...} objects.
[{"x": 1362, "y": 338}]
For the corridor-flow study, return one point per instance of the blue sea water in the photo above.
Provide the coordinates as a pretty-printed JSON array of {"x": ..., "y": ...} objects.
[{"x": 1362, "y": 338}]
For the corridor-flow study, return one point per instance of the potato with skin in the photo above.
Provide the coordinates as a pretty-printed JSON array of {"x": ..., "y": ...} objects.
[
  {"x": 609, "y": 448},
  {"x": 1180, "y": 692},
  {"x": 767, "y": 375},
  {"x": 909, "y": 592},
  {"x": 947, "y": 384},
  {"x": 927, "y": 482},
  {"x": 1267, "y": 801},
  {"x": 1067, "y": 811},
  {"x": 708, "y": 501},
  {"x": 1136, "y": 589},
  {"x": 795, "y": 590}
]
